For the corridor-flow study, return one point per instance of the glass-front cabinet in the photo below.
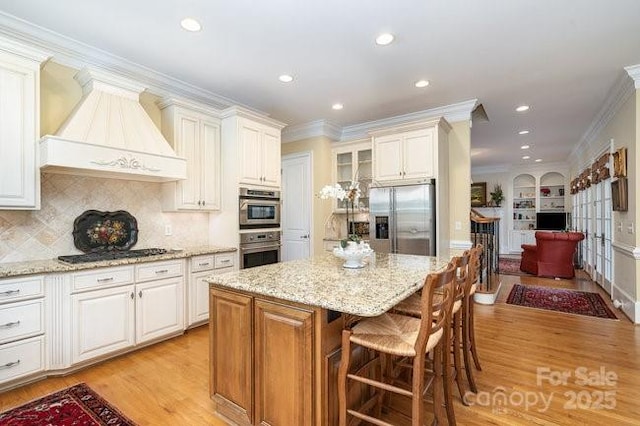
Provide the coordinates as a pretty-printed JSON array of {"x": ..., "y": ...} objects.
[{"x": 352, "y": 162}]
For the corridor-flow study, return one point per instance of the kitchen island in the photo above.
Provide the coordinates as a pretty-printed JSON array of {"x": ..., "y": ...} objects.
[{"x": 275, "y": 332}]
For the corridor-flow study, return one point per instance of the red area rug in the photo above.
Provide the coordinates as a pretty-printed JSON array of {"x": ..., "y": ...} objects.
[
  {"x": 510, "y": 266},
  {"x": 77, "y": 405},
  {"x": 561, "y": 300}
]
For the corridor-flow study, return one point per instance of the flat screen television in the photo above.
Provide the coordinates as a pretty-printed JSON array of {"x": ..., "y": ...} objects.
[{"x": 553, "y": 221}]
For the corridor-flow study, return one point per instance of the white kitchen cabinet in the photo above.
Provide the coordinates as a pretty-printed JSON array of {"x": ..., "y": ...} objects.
[
  {"x": 353, "y": 161},
  {"x": 102, "y": 321},
  {"x": 259, "y": 152},
  {"x": 251, "y": 144},
  {"x": 120, "y": 307},
  {"x": 19, "y": 128},
  {"x": 408, "y": 153},
  {"x": 159, "y": 308},
  {"x": 194, "y": 133},
  {"x": 203, "y": 267},
  {"x": 22, "y": 327}
]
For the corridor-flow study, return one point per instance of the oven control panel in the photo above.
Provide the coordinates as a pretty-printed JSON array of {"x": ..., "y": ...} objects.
[{"x": 259, "y": 237}]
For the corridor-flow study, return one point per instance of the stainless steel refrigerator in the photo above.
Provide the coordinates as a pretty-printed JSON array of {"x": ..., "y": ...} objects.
[{"x": 403, "y": 219}]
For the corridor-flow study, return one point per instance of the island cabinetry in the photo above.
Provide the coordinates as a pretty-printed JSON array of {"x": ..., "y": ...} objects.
[
  {"x": 19, "y": 127},
  {"x": 194, "y": 133},
  {"x": 284, "y": 388},
  {"x": 268, "y": 359},
  {"x": 22, "y": 327}
]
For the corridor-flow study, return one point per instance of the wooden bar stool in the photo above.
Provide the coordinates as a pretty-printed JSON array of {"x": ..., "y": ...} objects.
[
  {"x": 411, "y": 306},
  {"x": 402, "y": 336},
  {"x": 468, "y": 322}
]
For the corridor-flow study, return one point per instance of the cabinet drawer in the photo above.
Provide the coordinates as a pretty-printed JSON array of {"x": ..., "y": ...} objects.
[
  {"x": 103, "y": 278},
  {"x": 225, "y": 260},
  {"x": 21, "y": 358},
  {"x": 21, "y": 288},
  {"x": 202, "y": 263},
  {"x": 159, "y": 270},
  {"x": 21, "y": 319}
]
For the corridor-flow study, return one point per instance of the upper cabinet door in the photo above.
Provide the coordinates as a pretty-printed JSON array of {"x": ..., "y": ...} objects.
[
  {"x": 19, "y": 130},
  {"x": 210, "y": 152},
  {"x": 388, "y": 158},
  {"x": 271, "y": 158},
  {"x": 195, "y": 136},
  {"x": 188, "y": 145},
  {"x": 250, "y": 154},
  {"x": 418, "y": 155}
]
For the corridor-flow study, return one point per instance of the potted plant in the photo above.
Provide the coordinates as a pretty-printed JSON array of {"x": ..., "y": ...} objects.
[{"x": 497, "y": 196}]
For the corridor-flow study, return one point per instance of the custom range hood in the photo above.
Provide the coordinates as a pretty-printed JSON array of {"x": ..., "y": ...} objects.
[{"x": 109, "y": 134}]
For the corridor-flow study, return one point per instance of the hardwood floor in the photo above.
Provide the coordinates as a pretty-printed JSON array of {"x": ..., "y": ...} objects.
[{"x": 167, "y": 384}]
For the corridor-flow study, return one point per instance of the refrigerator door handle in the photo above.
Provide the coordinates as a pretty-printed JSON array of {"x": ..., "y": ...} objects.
[{"x": 392, "y": 220}]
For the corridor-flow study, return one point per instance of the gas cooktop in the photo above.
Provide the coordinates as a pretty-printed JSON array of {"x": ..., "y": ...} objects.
[{"x": 111, "y": 255}]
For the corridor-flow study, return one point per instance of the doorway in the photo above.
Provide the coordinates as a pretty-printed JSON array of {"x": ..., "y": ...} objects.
[{"x": 297, "y": 215}]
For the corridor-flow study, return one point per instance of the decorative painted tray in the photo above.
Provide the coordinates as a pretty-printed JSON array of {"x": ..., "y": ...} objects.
[{"x": 96, "y": 231}]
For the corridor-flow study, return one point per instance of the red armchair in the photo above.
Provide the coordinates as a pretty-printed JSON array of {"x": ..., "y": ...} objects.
[{"x": 552, "y": 256}]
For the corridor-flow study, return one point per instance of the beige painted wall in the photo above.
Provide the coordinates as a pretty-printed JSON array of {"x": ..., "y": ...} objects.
[
  {"x": 459, "y": 180},
  {"x": 320, "y": 147}
]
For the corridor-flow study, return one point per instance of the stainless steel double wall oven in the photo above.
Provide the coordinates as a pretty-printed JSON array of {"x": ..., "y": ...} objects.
[{"x": 259, "y": 216}]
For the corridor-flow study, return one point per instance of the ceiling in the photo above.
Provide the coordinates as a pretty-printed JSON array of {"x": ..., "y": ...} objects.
[{"x": 560, "y": 57}]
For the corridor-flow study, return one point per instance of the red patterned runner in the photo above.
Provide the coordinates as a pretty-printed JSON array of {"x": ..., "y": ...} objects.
[
  {"x": 74, "y": 406},
  {"x": 562, "y": 300}
]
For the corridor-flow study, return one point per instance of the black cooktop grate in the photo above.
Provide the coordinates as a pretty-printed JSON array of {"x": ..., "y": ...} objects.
[{"x": 111, "y": 255}]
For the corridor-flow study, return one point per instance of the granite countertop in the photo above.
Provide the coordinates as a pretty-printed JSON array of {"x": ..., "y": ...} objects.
[
  {"x": 322, "y": 281},
  {"x": 14, "y": 269}
]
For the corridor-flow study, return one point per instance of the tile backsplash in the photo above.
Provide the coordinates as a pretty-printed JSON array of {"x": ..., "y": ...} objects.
[{"x": 46, "y": 233}]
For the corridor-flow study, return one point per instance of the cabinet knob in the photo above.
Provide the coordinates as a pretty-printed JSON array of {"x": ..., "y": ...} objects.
[
  {"x": 140, "y": 294},
  {"x": 132, "y": 295}
]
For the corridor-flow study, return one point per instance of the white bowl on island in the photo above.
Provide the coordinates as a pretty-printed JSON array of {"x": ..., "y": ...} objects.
[{"x": 353, "y": 254}]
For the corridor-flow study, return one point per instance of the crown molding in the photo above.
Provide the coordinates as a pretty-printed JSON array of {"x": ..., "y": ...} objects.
[
  {"x": 634, "y": 73},
  {"x": 75, "y": 54},
  {"x": 191, "y": 105},
  {"x": 622, "y": 89},
  {"x": 455, "y": 112},
  {"x": 24, "y": 50},
  {"x": 238, "y": 111},
  {"x": 312, "y": 129}
]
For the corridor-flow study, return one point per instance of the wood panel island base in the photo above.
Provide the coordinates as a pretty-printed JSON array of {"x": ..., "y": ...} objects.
[{"x": 275, "y": 332}]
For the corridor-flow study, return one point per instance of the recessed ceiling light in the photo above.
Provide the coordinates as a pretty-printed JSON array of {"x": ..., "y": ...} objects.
[
  {"x": 524, "y": 147},
  {"x": 422, "y": 83},
  {"x": 522, "y": 108},
  {"x": 384, "y": 39},
  {"x": 285, "y": 78},
  {"x": 538, "y": 160},
  {"x": 523, "y": 132},
  {"x": 337, "y": 107},
  {"x": 525, "y": 157},
  {"x": 190, "y": 24}
]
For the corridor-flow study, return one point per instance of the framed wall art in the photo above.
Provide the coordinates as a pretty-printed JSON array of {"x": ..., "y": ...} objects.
[{"x": 479, "y": 194}]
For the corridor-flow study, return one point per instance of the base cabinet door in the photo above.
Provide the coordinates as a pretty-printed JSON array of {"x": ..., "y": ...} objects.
[
  {"x": 159, "y": 308},
  {"x": 230, "y": 328},
  {"x": 283, "y": 364},
  {"x": 102, "y": 322}
]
